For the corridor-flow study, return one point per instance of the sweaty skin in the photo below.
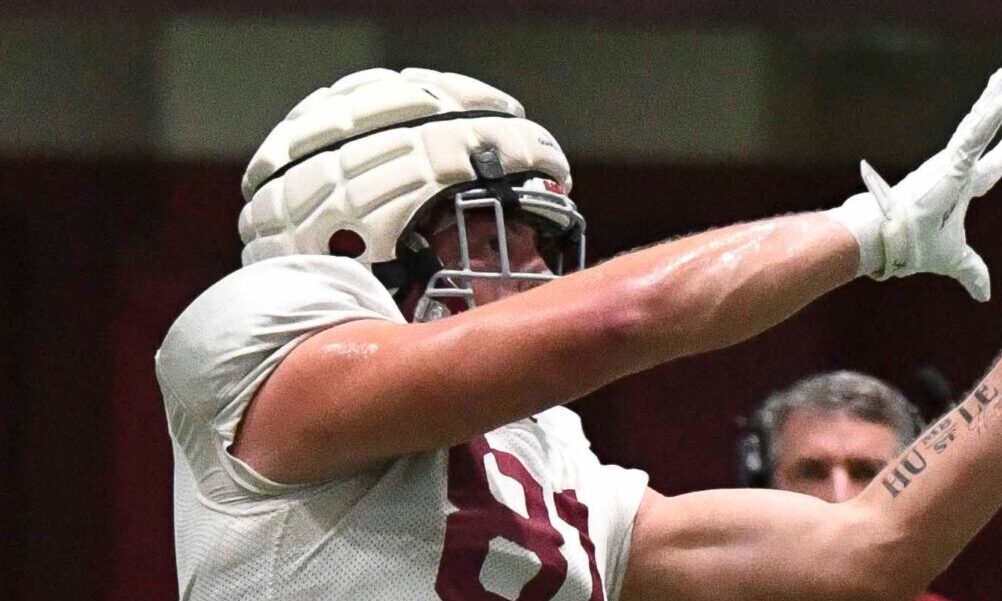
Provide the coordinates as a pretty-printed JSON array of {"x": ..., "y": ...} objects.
[
  {"x": 518, "y": 354},
  {"x": 354, "y": 349},
  {"x": 729, "y": 251}
]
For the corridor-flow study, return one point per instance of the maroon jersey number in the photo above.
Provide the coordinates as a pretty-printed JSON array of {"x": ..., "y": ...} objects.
[{"x": 480, "y": 518}]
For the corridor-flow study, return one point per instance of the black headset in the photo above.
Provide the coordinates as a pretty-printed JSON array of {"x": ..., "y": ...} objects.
[{"x": 754, "y": 470}]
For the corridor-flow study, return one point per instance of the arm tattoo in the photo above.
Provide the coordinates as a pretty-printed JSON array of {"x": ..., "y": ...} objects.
[
  {"x": 979, "y": 413},
  {"x": 985, "y": 412},
  {"x": 912, "y": 465}
]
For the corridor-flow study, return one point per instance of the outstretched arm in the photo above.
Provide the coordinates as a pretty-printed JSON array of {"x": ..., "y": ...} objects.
[
  {"x": 325, "y": 411},
  {"x": 887, "y": 544},
  {"x": 423, "y": 386}
]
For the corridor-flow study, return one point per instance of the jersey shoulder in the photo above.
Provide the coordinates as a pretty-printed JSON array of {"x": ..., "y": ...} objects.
[
  {"x": 233, "y": 336},
  {"x": 256, "y": 315}
]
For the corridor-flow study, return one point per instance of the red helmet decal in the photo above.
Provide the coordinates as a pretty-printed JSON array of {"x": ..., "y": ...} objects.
[{"x": 552, "y": 186}]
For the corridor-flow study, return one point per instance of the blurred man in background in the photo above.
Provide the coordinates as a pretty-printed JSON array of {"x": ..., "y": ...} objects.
[{"x": 828, "y": 436}]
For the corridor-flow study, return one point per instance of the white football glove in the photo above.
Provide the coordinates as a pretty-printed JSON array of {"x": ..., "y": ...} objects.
[{"x": 921, "y": 219}]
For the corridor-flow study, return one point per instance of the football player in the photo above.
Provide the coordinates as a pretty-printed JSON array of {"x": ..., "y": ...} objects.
[{"x": 371, "y": 407}]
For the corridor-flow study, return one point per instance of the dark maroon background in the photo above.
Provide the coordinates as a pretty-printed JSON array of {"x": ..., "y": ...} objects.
[
  {"x": 100, "y": 257},
  {"x": 956, "y": 16}
]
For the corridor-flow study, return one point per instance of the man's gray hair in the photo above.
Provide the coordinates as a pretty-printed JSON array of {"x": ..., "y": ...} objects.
[{"x": 840, "y": 392}]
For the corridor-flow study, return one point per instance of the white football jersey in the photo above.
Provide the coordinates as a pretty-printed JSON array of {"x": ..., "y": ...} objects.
[{"x": 525, "y": 512}]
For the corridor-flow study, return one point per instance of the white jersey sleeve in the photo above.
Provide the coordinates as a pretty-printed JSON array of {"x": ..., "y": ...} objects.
[{"x": 232, "y": 337}]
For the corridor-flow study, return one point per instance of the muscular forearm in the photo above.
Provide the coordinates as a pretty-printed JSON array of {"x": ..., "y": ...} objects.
[
  {"x": 677, "y": 298},
  {"x": 557, "y": 342},
  {"x": 944, "y": 488},
  {"x": 641, "y": 309},
  {"x": 447, "y": 380},
  {"x": 720, "y": 287},
  {"x": 511, "y": 359}
]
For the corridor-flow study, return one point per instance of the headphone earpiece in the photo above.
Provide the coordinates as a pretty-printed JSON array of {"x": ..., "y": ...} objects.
[{"x": 753, "y": 466}]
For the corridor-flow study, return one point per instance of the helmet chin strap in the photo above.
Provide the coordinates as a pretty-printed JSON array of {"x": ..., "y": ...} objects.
[
  {"x": 414, "y": 267},
  {"x": 431, "y": 309},
  {"x": 417, "y": 263},
  {"x": 424, "y": 265}
]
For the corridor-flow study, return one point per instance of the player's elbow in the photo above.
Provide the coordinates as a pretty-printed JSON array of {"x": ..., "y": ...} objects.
[{"x": 871, "y": 561}]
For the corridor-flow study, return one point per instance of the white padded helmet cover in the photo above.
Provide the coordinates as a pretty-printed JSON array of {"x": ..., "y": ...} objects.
[{"x": 375, "y": 184}]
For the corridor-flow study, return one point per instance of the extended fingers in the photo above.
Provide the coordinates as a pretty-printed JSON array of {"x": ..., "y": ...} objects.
[
  {"x": 980, "y": 125},
  {"x": 972, "y": 273},
  {"x": 987, "y": 172},
  {"x": 877, "y": 186}
]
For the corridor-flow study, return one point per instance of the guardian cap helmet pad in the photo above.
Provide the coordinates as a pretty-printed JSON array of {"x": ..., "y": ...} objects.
[{"x": 378, "y": 148}]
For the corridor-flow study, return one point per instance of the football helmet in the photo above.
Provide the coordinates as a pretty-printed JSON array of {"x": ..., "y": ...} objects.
[{"x": 356, "y": 169}]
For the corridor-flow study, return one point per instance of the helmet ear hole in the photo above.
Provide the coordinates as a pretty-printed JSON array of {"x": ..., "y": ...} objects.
[{"x": 346, "y": 243}]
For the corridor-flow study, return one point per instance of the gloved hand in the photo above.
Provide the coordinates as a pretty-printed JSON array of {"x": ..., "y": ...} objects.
[{"x": 918, "y": 225}]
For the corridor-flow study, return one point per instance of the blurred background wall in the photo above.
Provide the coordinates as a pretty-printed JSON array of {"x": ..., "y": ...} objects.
[{"x": 125, "y": 126}]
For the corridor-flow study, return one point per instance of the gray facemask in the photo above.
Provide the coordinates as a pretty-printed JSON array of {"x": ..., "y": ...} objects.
[{"x": 560, "y": 226}]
